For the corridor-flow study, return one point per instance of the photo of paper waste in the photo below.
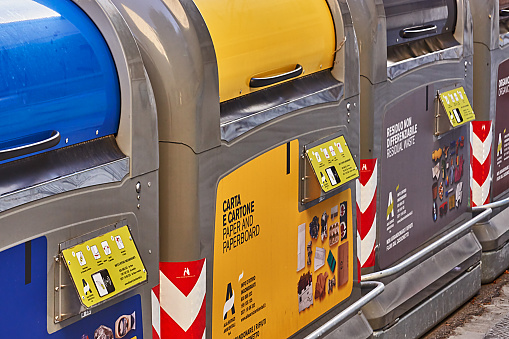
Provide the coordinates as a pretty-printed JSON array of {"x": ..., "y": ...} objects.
[
  {"x": 326, "y": 262},
  {"x": 305, "y": 291},
  {"x": 447, "y": 171}
]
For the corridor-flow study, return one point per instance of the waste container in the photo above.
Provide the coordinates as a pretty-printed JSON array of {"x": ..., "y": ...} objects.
[
  {"x": 78, "y": 173},
  {"x": 489, "y": 170},
  {"x": 416, "y": 87},
  {"x": 258, "y": 118}
]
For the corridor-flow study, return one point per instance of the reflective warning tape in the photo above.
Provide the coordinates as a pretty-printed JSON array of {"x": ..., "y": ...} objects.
[
  {"x": 366, "y": 210},
  {"x": 156, "y": 313},
  {"x": 179, "y": 301},
  {"x": 481, "y": 139}
]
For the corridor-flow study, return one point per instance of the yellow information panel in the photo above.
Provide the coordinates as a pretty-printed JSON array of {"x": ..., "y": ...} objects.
[
  {"x": 276, "y": 269},
  {"x": 105, "y": 266},
  {"x": 457, "y": 106},
  {"x": 332, "y": 163}
]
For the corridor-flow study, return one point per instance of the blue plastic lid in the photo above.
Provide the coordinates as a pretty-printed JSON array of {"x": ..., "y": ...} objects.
[{"x": 56, "y": 74}]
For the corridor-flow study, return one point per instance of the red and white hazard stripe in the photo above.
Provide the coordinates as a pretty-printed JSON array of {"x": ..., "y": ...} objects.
[
  {"x": 366, "y": 211},
  {"x": 156, "y": 314},
  {"x": 481, "y": 139},
  {"x": 178, "y": 302}
]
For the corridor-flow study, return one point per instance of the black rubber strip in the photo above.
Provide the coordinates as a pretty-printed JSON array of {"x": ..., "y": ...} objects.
[
  {"x": 288, "y": 158},
  {"x": 28, "y": 262},
  {"x": 427, "y": 97}
]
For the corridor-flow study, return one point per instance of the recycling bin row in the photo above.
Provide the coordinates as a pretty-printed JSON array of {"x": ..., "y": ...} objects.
[
  {"x": 220, "y": 169},
  {"x": 176, "y": 169}
]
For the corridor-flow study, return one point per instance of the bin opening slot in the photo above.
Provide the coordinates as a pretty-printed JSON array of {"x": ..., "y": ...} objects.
[
  {"x": 503, "y": 4},
  {"x": 57, "y": 163},
  {"x": 240, "y": 115},
  {"x": 503, "y": 7},
  {"x": 410, "y": 20},
  {"x": 416, "y": 48}
]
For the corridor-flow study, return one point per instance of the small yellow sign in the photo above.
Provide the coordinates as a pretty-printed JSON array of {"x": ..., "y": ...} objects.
[
  {"x": 332, "y": 163},
  {"x": 105, "y": 266},
  {"x": 457, "y": 106}
]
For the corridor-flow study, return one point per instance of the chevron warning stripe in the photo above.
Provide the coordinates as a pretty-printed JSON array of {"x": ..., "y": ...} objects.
[
  {"x": 481, "y": 139},
  {"x": 178, "y": 302},
  {"x": 366, "y": 210}
]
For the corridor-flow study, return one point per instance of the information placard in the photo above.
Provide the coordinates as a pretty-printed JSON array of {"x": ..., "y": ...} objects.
[
  {"x": 105, "y": 266},
  {"x": 332, "y": 163},
  {"x": 457, "y": 106},
  {"x": 270, "y": 259}
]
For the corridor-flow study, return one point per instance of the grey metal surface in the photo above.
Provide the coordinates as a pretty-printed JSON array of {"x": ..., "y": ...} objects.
[
  {"x": 357, "y": 327},
  {"x": 434, "y": 309},
  {"x": 70, "y": 214},
  {"x": 408, "y": 262},
  {"x": 377, "y": 288},
  {"x": 137, "y": 134},
  {"x": 376, "y": 95},
  {"x": 178, "y": 75},
  {"x": 193, "y": 159},
  {"x": 103, "y": 174},
  {"x": 95, "y": 162},
  {"x": 395, "y": 69},
  {"x": 485, "y": 15},
  {"x": 494, "y": 263},
  {"x": 370, "y": 24},
  {"x": 490, "y": 52},
  {"x": 494, "y": 233},
  {"x": 346, "y": 66},
  {"x": 243, "y": 114},
  {"x": 408, "y": 290},
  {"x": 58, "y": 219}
]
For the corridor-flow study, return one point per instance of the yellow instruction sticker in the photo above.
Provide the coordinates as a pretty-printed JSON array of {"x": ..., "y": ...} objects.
[
  {"x": 457, "y": 106},
  {"x": 332, "y": 163},
  {"x": 105, "y": 266}
]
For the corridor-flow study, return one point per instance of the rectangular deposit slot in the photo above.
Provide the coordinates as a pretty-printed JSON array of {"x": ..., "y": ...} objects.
[{"x": 409, "y": 20}]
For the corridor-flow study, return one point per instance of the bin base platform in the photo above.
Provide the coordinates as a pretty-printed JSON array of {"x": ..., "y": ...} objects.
[
  {"x": 436, "y": 308},
  {"x": 404, "y": 292},
  {"x": 357, "y": 327},
  {"x": 494, "y": 263},
  {"x": 493, "y": 235}
]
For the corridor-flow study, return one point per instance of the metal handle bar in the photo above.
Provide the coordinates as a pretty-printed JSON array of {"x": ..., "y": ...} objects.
[
  {"x": 495, "y": 204},
  {"x": 407, "y": 262},
  {"x": 350, "y": 310},
  {"x": 504, "y": 12},
  {"x": 261, "y": 82},
  {"x": 413, "y": 32},
  {"x": 30, "y": 144}
]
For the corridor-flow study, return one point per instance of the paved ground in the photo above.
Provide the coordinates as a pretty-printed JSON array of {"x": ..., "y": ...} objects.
[{"x": 485, "y": 316}]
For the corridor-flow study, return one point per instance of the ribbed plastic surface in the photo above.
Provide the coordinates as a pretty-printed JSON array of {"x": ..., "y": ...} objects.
[{"x": 56, "y": 74}]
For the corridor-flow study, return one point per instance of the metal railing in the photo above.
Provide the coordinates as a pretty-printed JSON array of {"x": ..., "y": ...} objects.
[
  {"x": 495, "y": 204},
  {"x": 425, "y": 251},
  {"x": 378, "y": 288},
  {"x": 369, "y": 280}
]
